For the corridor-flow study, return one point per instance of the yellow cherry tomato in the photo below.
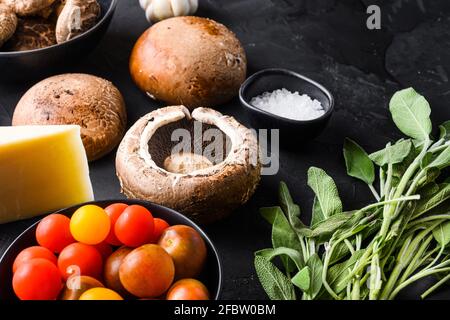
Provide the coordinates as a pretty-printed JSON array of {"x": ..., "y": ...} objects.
[
  {"x": 100, "y": 294},
  {"x": 90, "y": 224}
]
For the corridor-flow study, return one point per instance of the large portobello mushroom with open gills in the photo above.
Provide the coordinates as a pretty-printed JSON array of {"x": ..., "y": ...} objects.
[
  {"x": 189, "y": 60},
  {"x": 203, "y": 180}
]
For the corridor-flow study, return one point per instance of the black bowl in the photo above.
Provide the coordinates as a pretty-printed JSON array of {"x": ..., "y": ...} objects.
[
  {"x": 290, "y": 130},
  {"x": 211, "y": 275},
  {"x": 32, "y": 64}
]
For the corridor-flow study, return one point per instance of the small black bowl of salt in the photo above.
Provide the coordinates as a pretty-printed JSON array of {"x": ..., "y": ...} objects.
[{"x": 282, "y": 99}]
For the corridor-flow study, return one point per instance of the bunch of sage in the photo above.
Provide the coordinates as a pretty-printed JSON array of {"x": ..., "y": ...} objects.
[{"x": 376, "y": 251}]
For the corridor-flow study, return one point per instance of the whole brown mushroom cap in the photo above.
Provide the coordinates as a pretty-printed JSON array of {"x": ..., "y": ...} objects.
[
  {"x": 93, "y": 103},
  {"x": 206, "y": 195},
  {"x": 8, "y": 23},
  {"x": 189, "y": 60}
]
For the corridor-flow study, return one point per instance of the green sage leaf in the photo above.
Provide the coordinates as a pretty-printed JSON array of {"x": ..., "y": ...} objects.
[
  {"x": 289, "y": 207},
  {"x": 302, "y": 279},
  {"x": 270, "y": 213},
  {"x": 429, "y": 202},
  {"x": 275, "y": 283},
  {"x": 284, "y": 236},
  {"x": 338, "y": 272},
  {"x": 444, "y": 130},
  {"x": 442, "y": 234},
  {"x": 358, "y": 162},
  {"x": 426, "y": 160},
  {"x": 294, "y": 255},
  {"x": 315, "y": 270},
  {"x": 442, "y": 160},
  {"x": 392, "y": 154},
  {"x": 317, "y": 214},
  {"x": 431, "y": 175},
  {"x": 323, "y": 231},
  {"x": 411, "y": 113},
  {"x": 282, "y": 233},
  {"x": 326, "y": 192}
]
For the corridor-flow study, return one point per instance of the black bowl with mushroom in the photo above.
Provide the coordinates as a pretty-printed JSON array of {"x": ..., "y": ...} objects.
[{"x": 50, "y": 38}]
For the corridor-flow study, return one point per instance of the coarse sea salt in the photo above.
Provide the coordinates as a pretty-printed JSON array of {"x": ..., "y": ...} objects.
[{"x": 291, "y": 105}]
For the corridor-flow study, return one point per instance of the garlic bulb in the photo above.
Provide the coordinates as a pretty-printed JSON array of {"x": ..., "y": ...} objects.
[{"x": 157, "y": 10}]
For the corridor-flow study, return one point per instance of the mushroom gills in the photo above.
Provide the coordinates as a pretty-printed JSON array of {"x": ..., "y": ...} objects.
[
  {"x": 186, "y": 162},
  {"x": 176, "y": 139}
]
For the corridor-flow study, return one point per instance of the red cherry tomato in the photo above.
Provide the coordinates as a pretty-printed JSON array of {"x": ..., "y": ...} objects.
[
  {"x": 160, "y": 226},
  {"x": 114, "y": 211},
  {"x": 80, "y": 259},
  {"x": 53, "y": 232},
  {"x": 104, "y": 249},
  {"x": 33, "y": 253},
  {"x": 135, "y": 226},
  {"x": 37, "y": 279}
]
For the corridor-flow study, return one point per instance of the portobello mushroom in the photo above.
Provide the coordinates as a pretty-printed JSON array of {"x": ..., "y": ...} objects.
[
  {"x": 189, "y": 60},
  {"x": 205, "y": 192},
  {"x": 93, "y": 103}
]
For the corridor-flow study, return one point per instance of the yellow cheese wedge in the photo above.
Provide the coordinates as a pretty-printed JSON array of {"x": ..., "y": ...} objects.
[{"x": 42, "y": 169}]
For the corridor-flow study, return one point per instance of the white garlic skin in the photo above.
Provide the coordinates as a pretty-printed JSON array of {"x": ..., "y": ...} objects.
[{"x": 157, "y": 10}]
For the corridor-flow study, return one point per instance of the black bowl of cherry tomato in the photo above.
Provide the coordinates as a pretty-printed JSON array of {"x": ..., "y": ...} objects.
[{"x": 112, "y": 250}]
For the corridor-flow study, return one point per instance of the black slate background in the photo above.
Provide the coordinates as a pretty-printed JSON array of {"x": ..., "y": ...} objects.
[{"x": 326, "y": 40}]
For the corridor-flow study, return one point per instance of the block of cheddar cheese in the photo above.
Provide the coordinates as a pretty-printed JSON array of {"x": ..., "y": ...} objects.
[{"x": 42, "y": 169}]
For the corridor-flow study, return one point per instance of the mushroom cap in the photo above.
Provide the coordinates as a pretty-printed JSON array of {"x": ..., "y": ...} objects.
[
  {"x": 8, "y": 23},
  {"x": 29, "y": 7},
  {"x": 93, "y": 103},
  {"x": 32, "y": 34},
  {"x": 189, "y": 60},
  {"x": 76, "y": 17},
  {"x": 206, "y": 195}
]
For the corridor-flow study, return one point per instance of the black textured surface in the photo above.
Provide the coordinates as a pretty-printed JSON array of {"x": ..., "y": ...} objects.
[{"x": 327, "y": 40}]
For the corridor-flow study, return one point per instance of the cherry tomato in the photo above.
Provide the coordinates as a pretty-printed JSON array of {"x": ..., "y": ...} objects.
[
  {"x": 100, "y": 294},
  {"x": 188, "y": 289},
  {"x": 114, "y": 211},
  {"x": 90, "y": 224},
  {"x": 37, "y": 279},
  {"x": 160, "y": 226},
  {"x": 134, "y": 226},
  {"x": 33, "y": 253},
  {"x": 187, "y": 249},
  {"x": 53, "y": 232},
  {"x": 147, "y": 271},
  {"x": 104, "y": 249},
  {"x": 80, "y": 259},
  {"x": 111, "y": 270}
]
